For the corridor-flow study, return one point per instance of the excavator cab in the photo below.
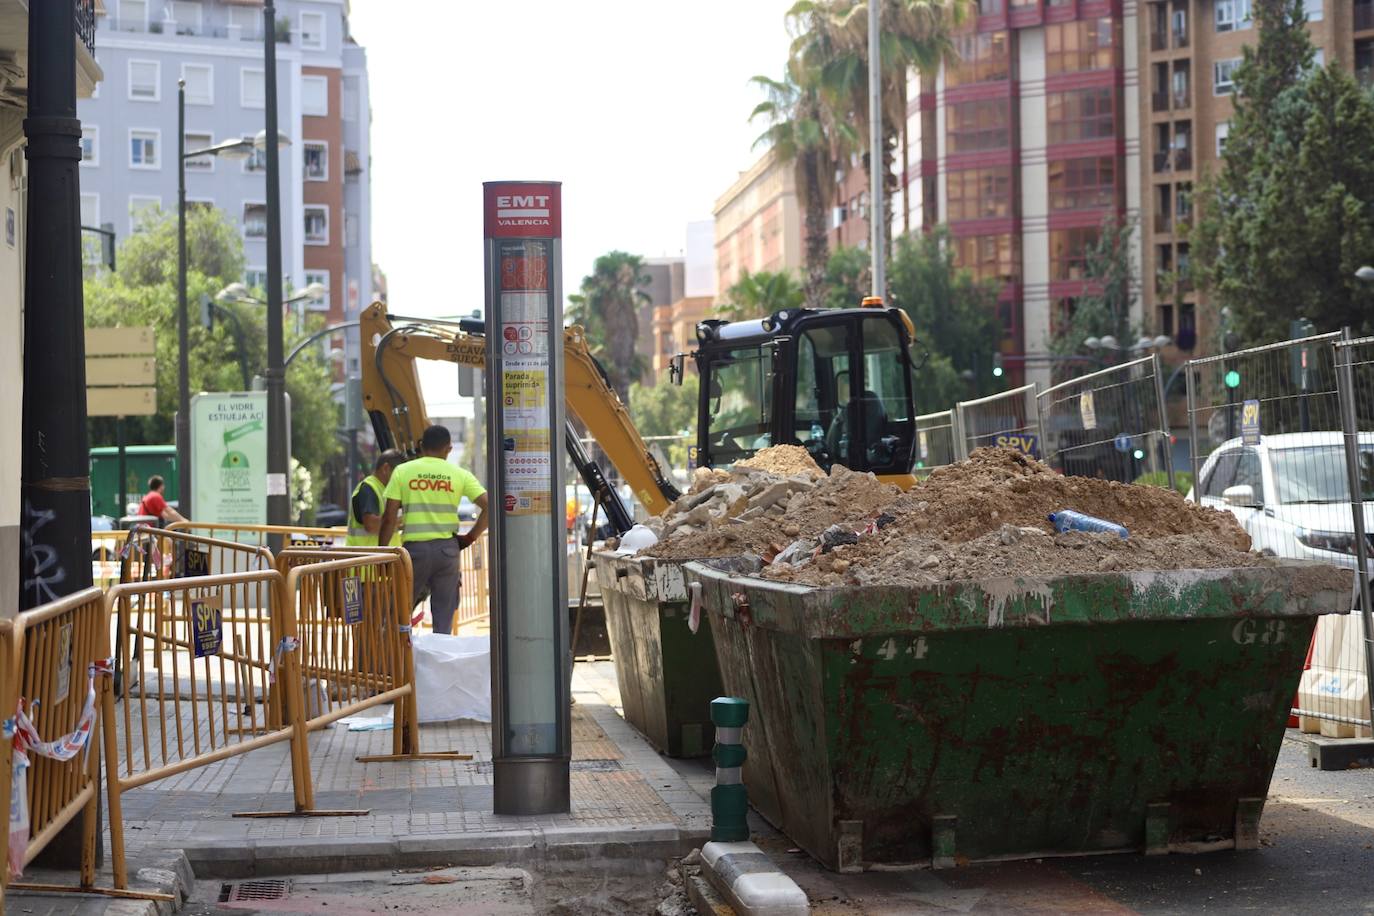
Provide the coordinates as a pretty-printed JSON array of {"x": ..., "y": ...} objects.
[{"x": 835, "y": 381}]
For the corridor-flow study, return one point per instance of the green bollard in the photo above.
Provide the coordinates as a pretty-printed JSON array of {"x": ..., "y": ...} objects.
[{"x": 729, "y": 801}]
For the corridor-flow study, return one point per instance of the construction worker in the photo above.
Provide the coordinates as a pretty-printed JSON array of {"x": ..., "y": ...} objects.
[
  {"x": 429, "y": 489},
  {"x": 365, "y": 506}
]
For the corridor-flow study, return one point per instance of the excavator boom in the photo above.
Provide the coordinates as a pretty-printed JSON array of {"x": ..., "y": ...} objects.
[{"x": 392, "y": 398}]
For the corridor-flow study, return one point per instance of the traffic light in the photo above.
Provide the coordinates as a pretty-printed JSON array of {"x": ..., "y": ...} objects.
[
  {"x": 997, "y": 365},
  {"x": 1230, "y": 342},
  {"x": 1232, "y": 378}
]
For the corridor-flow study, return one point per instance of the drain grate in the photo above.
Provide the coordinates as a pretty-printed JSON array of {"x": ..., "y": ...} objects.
[{"x": 258, "y": 889}]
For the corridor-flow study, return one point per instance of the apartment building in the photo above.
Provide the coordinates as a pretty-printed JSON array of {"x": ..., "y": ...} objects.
[
  {"x": 1189, "y": 50},
  {"x": 758, "y": 222},
  {"x": 1024, "y": 148},
  {"x": 215, "y": 46}
]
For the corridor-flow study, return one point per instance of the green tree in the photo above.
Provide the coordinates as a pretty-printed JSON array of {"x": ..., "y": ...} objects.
[
  {"x": 608, "y": 310},
  {"x": 954, "y": 316},
  {"x": 667, "y": 410},
  {"x": 831, "y": 50},
  {"x": 758, "y": 294},
  {"x": 803, "y": 131},
  {"x": 1105, "y": 308},
  {"x": 143, "y": 292},
  {"x": 848, "y": 277},
  {"x": 1289, "y": 218}
]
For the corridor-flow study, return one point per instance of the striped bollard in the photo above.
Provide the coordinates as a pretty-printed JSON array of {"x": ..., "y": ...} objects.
[{"x": 729, "y": 801}]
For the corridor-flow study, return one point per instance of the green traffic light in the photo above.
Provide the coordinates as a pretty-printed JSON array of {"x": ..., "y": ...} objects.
[
  {"x": 996, "y": 371},
  {"x": 1139, "y": 455},
  {"x": 1232, "y": 379}
]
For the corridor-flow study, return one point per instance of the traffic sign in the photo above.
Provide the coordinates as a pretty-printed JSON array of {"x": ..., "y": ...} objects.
[
  {"x": 1122, "y": 442},
  {"x": 121, "y": 402},
  {"x": 121, "y": 370}
]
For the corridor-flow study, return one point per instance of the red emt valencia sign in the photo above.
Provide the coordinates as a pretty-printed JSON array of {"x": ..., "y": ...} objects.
[{"x": 523, "y": 209}]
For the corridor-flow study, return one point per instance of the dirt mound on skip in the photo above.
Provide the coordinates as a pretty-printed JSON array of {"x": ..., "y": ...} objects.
[{"x": 997, "y": 487}]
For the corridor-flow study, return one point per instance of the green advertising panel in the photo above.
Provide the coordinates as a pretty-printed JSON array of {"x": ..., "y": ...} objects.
[{"x": 229, "y": 457}]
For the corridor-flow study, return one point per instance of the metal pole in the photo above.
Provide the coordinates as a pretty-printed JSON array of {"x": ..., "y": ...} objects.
[
  {"x": 1188, "y": 385},
  {"x": 183, "y": 423},
  {"x": 875, "y": 147},
  {"x": 1163, "y": 419},
  {"x": 1350, "y": 426},
  {"x": 123, "y": 472},
  {"x": 278, "y": 449}
]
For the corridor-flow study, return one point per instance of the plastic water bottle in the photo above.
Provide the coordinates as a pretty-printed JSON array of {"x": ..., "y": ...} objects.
[
  {"x": 1066, "y": 520},
  {"x": 817, "y": 434}
]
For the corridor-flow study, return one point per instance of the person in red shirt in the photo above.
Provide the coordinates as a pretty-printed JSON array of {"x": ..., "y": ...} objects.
[{"x": 155, "y": 505}]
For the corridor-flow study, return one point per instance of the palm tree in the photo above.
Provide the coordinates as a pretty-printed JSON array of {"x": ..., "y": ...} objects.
[
  {"x": 607, "y": 308},
  {"x": 831, "y": 48},
  {"x": 758, "y": 294},
  {"x": 800, "y": 131}
]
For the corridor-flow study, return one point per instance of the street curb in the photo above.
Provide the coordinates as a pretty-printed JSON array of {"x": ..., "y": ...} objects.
[
  {"x": 750, "y": 882},
  {"x": 1339, "y": 753},
  {"x": 705, "y": 898},
  {"x": 512, "y": 847}
]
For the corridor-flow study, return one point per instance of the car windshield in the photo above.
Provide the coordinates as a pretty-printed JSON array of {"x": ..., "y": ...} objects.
[{"x": 1317, "y": 474}]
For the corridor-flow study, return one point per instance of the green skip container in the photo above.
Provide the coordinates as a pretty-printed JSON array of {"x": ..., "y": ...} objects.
[
  {"x": 667, "y": 674},
  {"x": 1016, "y": 718}
]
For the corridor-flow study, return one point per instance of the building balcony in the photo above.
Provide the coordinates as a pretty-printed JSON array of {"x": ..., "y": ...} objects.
[
  {"x": 1182, "y": 100},
  {"x": 1159, "y": 101},
  {"x": 1161, "y": 162},
  {"x": 1180, "y": 38},
  {"x": 1364, "y": 17},
  {"x": 1159, "y": 40},
  {"x": 85, "y": 23},
  {"x": 1183, "y": 160},
  {"x": 1162, "y": 223}
]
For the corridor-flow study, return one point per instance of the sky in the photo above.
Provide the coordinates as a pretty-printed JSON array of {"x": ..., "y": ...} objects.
[{"x": 640, "y": 108}]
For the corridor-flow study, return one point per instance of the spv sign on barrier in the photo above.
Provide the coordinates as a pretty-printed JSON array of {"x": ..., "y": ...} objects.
[{"x": 1025, "y": 443}]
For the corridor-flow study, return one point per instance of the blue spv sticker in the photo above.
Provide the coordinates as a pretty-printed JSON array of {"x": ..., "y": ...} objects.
[
  {"x": 207, "y": 626},
  {"x": 352, "y": 600}
]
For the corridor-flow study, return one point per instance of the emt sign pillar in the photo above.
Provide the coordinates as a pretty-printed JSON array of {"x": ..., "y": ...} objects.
[{"x": 531, "y": 729}]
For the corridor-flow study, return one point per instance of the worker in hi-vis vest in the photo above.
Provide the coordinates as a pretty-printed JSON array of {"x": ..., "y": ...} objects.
[
  {"x": 429, "y": 489},
  {"x": 365, "y": 506}
]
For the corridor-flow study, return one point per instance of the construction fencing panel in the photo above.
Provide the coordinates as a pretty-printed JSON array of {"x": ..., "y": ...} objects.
[
  {"x": 1007, "y": 420},
  {"x": 261, "y": 535},
  {"x": 474, "y": 603},
  {"x": 1268, "y": 446},
  {"x": 1109, "y": 424},
  {"x": 938, "y": 442},
  {"x": 52, "y": 665}
]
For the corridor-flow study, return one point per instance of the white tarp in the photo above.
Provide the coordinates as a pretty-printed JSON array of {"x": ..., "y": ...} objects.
[{"x": 453, "y": 677}]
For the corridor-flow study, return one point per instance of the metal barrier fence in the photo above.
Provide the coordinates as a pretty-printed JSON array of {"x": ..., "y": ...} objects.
[
  {"x": 473, "y": 601},
  {"x": 938, "y": 442},
  {"x": 1109, "y": 424},
  {"x": 151, "y": 554},
  {"x": 52, "y": 661},
  {"x": 1010, "y": 419},
  {"x": 260, "y": 535}
]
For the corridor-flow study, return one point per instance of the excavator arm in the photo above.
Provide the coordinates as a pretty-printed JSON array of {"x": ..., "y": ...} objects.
[{"x": 392, "y": 398}]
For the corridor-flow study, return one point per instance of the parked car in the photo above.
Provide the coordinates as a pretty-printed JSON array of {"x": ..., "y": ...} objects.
[
  {"x": 329, "y": 515},
  {"x": 1291, "y": 493},
  {"x": 100, "y": 547}
]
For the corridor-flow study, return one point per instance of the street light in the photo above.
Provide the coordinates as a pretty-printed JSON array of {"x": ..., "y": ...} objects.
[
  {"x": 278, "y": 495},
  {"x": 1365, "y": 273},
  {"x": 228, "y": 149}
]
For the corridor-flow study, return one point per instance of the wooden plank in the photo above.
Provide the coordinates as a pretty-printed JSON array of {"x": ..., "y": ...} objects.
[
  {"x": 121, "y": 402},
  {"x": 119, "y": 341},
  {"x": 121, "y": 370}
]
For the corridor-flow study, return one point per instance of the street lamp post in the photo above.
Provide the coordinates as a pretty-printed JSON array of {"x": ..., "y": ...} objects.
[{"x": 278, "y": 500}]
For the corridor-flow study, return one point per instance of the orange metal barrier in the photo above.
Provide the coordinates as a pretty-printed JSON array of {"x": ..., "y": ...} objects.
[
  {"x": 473, "y": 600},
  {"x": 293, "y": 535},
  {"x": 150, "y": 554}
]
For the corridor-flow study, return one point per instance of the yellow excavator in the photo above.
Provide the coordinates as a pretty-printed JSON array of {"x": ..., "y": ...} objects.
[{"x": 837, "y": 382}]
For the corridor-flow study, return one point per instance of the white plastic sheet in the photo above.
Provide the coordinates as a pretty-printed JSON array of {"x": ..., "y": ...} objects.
[{"x": 453, "y": 677}]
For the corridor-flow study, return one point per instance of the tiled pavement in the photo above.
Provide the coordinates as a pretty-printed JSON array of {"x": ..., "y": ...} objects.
[{"x": 620, "y": 787}]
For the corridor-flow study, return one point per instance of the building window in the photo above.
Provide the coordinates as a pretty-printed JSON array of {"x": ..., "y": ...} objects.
[
  {"x": 144, "y": 149},
  {"x": 252, "y": 92},
  {"x": 321, "y": 277},
  {"x": 141, "y": 209},
  {"x": 979, "y": 125},
  {"x": 200, "y": 83},
  {"x": 1232, "y": 15},
  {"x": 1080, "y": 114},
  {"x": 1069, "y": 250},
  {"x": 145, "y": 79},
  {"x": 1082, "y": 184},
  {"x": 90, "y": 145},
  {"x": 255, "y": 278},
  {"x": 90, "y": 210},
  {"x": 187, "y": 14},
  {"x": 988, "y": 7},
  {"x": 1313, "y": 10},
  {"x": 988, "y": 257},
  {"x": 1071, "y": 47},
  {"x": 979, "y": 193},
  {"x": 255, "y": 161},
  {"x": 133, "y": 16},
  {"x": 315, "y": 96},
  {"x": 983, "y": 57},
  {"x": 1224, "y": 75},
  {"x": 247, "y": 20},
  {"x": 316, "y": 225},
  {"x": 312, "y": 31},
  {"x": 316, "y": 161},
  {"x": 195, "y": 141},
  {"x": 255, "y": 221}
]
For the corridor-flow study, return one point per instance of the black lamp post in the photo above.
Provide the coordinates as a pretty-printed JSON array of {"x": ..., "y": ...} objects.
[{"x": 278, "y": 500}]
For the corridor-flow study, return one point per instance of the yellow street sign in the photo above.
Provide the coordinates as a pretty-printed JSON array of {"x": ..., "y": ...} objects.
[
  {"x": 119, "y": 341},
  {"x": 121, "y": 402},
  {"x": 121, "y": 370}
]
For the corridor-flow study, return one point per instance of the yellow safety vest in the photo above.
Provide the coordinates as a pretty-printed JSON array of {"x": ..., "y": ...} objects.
[
  {"x": 429, "y": 490},
  {"x": 358, "y": 536}
]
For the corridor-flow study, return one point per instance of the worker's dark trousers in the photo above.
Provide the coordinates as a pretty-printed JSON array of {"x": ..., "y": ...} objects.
[{"x": 435, "y": 564}]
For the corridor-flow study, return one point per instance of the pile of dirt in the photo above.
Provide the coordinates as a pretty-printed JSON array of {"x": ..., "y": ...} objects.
[
  {"x": 760, "y": 513},
  {"x": 997, "y": 487},
  {"x": 783, "y": 460}
]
